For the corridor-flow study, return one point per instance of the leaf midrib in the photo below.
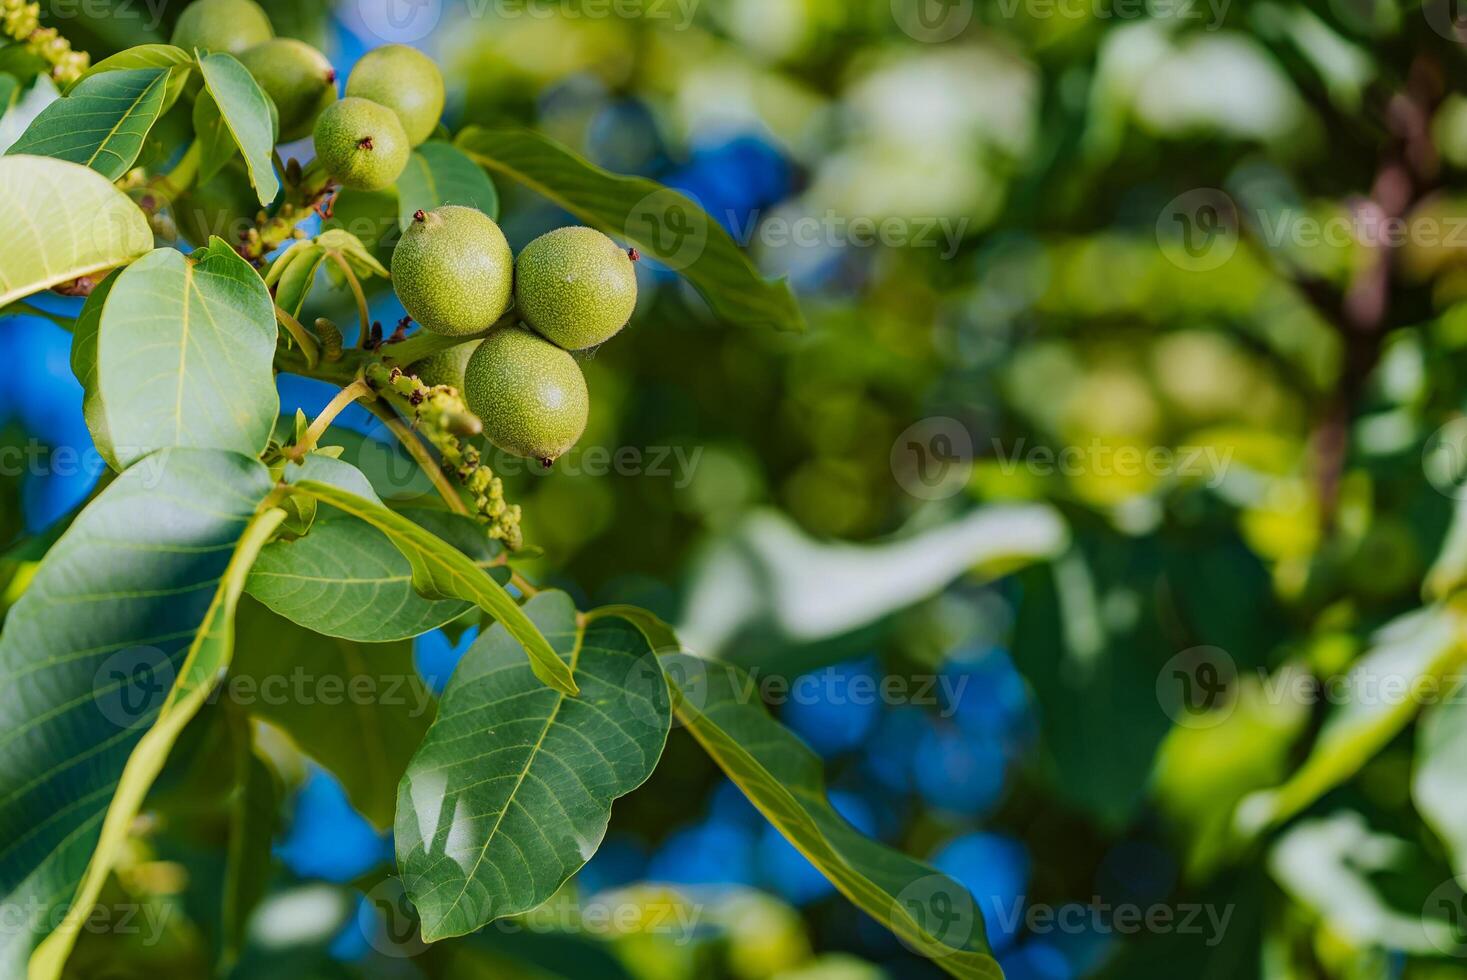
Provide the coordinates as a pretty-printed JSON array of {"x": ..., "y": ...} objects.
[
  {"x": 128, "y": 114},
  {"x": 530, "y": 757}
]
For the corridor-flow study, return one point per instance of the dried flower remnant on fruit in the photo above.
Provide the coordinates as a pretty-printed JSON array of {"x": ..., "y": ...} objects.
[{"x": 440, "y": 415}]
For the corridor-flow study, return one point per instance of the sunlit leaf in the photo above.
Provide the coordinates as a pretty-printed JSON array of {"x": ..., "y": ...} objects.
[
  {"x": 439, "y": 174},
  {"x": 346, "y": 579},
  {"x": 164, "y": 56},
  {"x": 101, "y": 124},
  {"x": 63, "y": 221},
  {"x": 106, "y": 656},
  {"x": 1417, "y": 649},
  {"x": 661, "y": 222},
  {"x": 249, "y": 114},
  {"x": 511, "y": 791},
  {"x": 441, "y": 571},
  {"x": 719, "y": 705},
  {"x": 185, "y": 354}
]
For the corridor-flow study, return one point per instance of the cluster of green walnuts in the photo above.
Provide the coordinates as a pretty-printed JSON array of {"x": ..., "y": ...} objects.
[{"x": 569, "y": 290}]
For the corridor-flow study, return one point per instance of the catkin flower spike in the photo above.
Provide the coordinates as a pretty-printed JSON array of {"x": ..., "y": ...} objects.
[
  {"x": 21, "y": 22},
  {"x": 440, "y": 416}
]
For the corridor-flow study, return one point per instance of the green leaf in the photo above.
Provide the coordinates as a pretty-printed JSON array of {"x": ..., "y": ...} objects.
[
  {"x": 140, "y": 56},
  {"x": 719, "y": 705},
  {"x": 177, "y": 62},
  {"x": 1419, "y": 648},
  {"x": 662, "y": 222},
  {"x": 369, "y": 215},
  {"x": 215, "y": 142},
  {"x": 1368, "y": 888},
  {"x": 358, "y": 709},
  {"x": 293, "y": 274},
  {"x": 391, "y": 473},
  {"x": 1437, "y": 785},
  {"x": 350, "y": 247},
  {"x": 252, "y": 819},
  {"x": 511, "y": 791},
  {"x": 84, "y": 366},
  {"x": 250, "y": 116},
  {"x": 9, "y": 86},
  {"x": 101, "y": 124},
  {"x": 439, "y": 174},
  {"x": 185, "y": 354},
  {"x": 63, "y": 221},
  {"x": 119, "y": 638},
  {"x": 440, "y": 571},
  {"x": 324, "y": 469},
  {"x": 346, "y": 579}
]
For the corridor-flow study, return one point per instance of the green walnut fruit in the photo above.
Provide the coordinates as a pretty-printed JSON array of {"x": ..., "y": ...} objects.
[
  {"x": 298, "y": 79},
  {"x": 447, "y": 366},
  {"x": 224, "y": 205},
  {"x": 406, "y": 81},
  {"x": 530, "y": 394},
  {"x": 361, "y": 144},
  {"x": 575, "y": 286},
  {"x": 222, "y": 25},
  {"x": 453, "y": 270}
]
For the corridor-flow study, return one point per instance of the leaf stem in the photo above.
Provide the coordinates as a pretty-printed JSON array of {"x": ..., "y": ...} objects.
[
  {"x": 357, "y": 389},
  {"x": 420, "y": 454},
  {"x": 356, "y": 288},
  {"x": 21, "y": 308},
  {"x": 301, "y": 335},
  {"x": 523, "y": 584},
  {"x": 181, "y": 177}
]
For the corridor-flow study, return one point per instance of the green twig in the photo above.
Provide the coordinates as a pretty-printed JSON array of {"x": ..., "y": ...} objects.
[
  {"x": 183, "y": 174},
  {"x": 425, "y": 343},
  {"x": 420, "y": 454},
  {"x": 301, "y": 335},
  {"x": 357, "y": 389},
  {"x": 21, "y": 308},
  {"x": 356, "y": 289}
]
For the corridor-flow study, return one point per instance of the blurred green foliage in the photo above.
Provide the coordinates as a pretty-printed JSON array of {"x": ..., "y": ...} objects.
[{"x": 1302, "y": 397}]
